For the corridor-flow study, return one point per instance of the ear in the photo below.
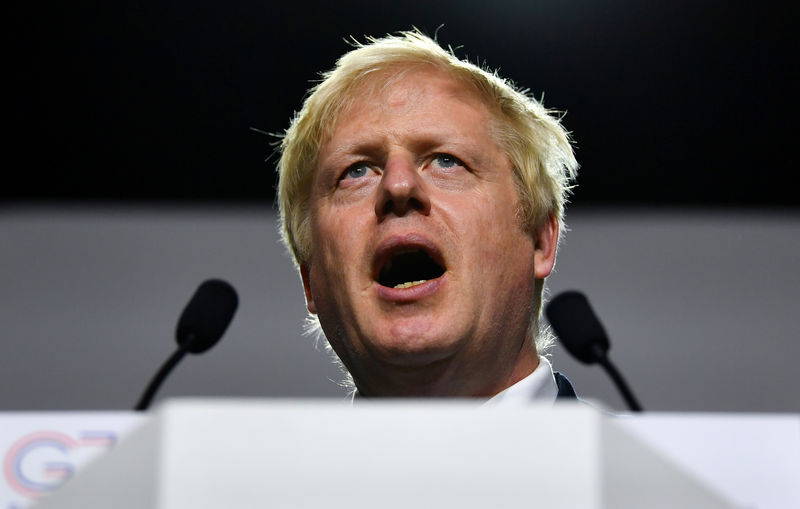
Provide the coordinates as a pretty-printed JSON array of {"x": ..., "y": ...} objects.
[
  {"x": 546, "y": 239},
  {"x": 312, "y": 308}
]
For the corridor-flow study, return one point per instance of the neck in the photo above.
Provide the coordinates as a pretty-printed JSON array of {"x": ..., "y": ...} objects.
[{"x": 447, "y": 378}]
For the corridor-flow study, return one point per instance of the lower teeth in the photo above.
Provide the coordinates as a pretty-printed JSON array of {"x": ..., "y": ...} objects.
[{"x": 410, "y": 284}]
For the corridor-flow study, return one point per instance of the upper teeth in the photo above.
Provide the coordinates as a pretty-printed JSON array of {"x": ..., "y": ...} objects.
[{"x": 409, "y": 284}]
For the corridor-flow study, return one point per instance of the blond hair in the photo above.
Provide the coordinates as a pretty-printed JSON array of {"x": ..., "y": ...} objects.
[{"x": 531, "y": 136}]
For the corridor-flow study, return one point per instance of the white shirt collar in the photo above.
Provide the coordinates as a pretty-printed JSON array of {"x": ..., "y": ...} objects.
[{"x": 540, "y": 385}]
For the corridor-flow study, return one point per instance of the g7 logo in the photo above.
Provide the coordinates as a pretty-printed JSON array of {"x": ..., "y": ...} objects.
[{"x": 38, "y": 463}]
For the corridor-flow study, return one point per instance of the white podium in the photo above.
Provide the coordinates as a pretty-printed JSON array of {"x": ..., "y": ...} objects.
[{"x": 323, "y": 454}]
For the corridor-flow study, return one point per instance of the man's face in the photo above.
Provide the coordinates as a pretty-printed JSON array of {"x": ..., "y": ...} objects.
[{"x": 420, "y": 272}]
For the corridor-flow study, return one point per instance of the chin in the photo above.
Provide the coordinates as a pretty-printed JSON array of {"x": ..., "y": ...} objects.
[{"x": 411, "y": 343}]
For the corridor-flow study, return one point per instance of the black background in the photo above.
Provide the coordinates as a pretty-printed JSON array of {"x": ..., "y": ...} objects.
[{"x": 670, "y": 103}]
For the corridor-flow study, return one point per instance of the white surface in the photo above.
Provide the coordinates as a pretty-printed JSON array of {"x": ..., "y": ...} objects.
[
  {"x": 263, "y": 453},
  {"x": 753, "y": 459},
  {"x": 41, "y": 450}
]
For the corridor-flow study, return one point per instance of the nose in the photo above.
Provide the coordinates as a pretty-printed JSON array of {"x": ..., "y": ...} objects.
[{"x": 402, "y": 189}]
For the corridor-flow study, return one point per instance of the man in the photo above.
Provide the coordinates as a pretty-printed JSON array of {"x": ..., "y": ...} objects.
[{"x": 422, "y": 199}]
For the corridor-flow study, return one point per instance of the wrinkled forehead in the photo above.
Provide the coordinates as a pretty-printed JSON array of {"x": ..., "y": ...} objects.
[{"x": 379, "y": 89}]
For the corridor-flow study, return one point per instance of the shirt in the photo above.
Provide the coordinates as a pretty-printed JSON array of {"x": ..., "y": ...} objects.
[{"x": 540, "y": 386}]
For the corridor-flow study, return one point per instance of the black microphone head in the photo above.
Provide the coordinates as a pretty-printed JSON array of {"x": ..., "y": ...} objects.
[
  {"x": 576, "y": 325},
  {"x": 206, "y": 316}
]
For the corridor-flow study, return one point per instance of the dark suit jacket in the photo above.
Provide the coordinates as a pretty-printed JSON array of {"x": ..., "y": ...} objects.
[{"x": 565, "y": 389}]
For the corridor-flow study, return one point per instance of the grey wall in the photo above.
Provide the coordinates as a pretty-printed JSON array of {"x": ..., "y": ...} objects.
[{"x": 701, "y": 306}]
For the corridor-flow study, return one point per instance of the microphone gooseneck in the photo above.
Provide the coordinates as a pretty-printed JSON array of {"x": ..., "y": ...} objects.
[
  {"x": 201, "y": 325},
  {"x": 584, "y": 337}
]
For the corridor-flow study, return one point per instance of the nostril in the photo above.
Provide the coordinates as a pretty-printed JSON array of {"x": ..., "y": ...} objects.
[
  {"x": 387, "y": 208},
  {"x": 401, "y": 204}
]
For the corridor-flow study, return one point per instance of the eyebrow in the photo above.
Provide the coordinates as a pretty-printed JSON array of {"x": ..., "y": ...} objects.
[{"x": 357, "y": 148}]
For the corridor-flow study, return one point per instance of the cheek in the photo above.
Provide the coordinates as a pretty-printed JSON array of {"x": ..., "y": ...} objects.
[
  {"x": 337, "y": 246},
  {"x": 506, "y": 249},
  {"x": 329, "y": 233}
]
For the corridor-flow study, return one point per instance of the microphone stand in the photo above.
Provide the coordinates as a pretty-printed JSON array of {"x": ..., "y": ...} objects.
[
  {"x": 163, "y": 372},
  {"x": 616, "y": 377}
]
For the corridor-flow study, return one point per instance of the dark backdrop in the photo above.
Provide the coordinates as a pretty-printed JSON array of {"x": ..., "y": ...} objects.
[{"x": 675, "y": 102}]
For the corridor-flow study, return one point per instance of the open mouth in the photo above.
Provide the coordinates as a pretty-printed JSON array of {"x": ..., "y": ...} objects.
[{"x": 408, "y": 268}]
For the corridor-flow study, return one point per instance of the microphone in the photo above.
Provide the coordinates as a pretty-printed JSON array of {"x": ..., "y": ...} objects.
[
  {"x": 200, "y": 326},
  {"x": 582, "y": 334},
  {"x": 206, "y": 316}
]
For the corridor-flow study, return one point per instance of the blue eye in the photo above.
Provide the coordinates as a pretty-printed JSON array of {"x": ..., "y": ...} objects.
[
  {"x": 447, "y": 161},
  {"x": 355, "y": 171}
]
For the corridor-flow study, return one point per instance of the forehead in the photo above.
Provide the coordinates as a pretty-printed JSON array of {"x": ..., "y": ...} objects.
[
  {"x": 422, "y": 91},
  {"x": 397, "y": 86}
]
